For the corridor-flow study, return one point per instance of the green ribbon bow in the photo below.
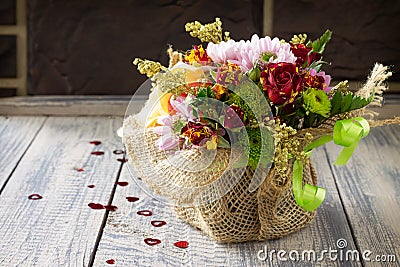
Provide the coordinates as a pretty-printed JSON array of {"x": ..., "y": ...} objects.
[{"x": 346, "y": 133}]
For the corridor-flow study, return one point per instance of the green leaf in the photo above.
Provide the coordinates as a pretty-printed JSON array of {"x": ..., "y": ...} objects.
[
  {"x": 202, "y": 93},
  {"x": 177, "y": 126},
  {"x": 210, "y": 92},
  {"x": 317, "y": 65},
  {"x": 346, "y": 102},
  {"x": 222, "y": 143},
  {"x": 213, "y": 75},
  {"x": 359, "y": 102},
  {"x": 336, "y": 102},
  {"x": 318, "y": 45},
  {"x": 255, "y": 73}
]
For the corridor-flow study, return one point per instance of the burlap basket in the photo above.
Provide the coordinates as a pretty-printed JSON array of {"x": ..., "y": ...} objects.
[{"x": 239, "y": 215}]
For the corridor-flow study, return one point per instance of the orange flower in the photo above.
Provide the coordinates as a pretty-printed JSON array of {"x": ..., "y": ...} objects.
[{"x": 219, "y": 91}]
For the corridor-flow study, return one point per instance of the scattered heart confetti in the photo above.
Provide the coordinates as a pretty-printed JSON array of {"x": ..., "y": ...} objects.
[
  {"x": 95, "y": 142},
  {"x": 111, "y": 208},
  {"x": 158, "y": 223},
  {"x": 110, "y": 261},
  {"x": 91, "y": 186},
  {"x": 181, "y": 244},
  {"x": 123, "y": 160},
  {"x": 118, "y": 152},
  {"x": 35, "y": 197},
  {"x": 96, "y": 206},
  {"x": 97, "y": 153},
  {"x": 152, "y": 241},
  {"x": 79, "y": 169},
  {"x": 132, "y": 199},
  {"x": 145, "y": 212},
  {"x": 122, "y": 183}
]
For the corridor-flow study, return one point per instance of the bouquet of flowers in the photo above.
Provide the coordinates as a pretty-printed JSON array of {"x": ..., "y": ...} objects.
[{"x": 229, "y": 127}]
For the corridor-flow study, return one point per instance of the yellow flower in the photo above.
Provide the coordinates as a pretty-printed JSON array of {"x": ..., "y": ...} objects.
[{"x": 161, "y": 109}]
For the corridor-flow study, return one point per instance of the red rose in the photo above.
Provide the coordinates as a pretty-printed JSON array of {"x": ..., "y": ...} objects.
[
  {"x": 282, "y": 82},
  {"x": 303, "y": 54}
]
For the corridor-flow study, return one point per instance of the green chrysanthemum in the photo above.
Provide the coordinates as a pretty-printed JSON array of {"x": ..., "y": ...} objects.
[
  {"x": 255, "y": 150},
  {"x": 316, "y": 101},
  {"x": 248, "y": 100}
]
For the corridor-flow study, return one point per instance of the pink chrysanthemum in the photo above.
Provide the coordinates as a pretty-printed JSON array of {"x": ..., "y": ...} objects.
[
  {"x": 326, "y": 77},
  {"x": 222, "y": 52},
  {"x": 247, "y": 53}
]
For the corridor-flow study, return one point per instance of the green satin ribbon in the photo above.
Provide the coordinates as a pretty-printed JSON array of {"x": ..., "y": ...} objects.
[
  {"x": 310, "y": 197},
  {"x": 346, "y": 133}
]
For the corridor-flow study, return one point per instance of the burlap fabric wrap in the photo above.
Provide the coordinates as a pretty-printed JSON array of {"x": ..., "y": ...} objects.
[{"x": 266, "y": 213}]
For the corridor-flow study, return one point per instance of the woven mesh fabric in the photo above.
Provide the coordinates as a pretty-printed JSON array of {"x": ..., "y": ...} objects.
[{"x": 238, "y": 215}]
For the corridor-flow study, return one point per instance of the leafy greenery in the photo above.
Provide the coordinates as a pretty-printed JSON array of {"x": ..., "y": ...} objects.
[
  {"x": 343, "y": 101},
  {"x": 206, "y": 92},
  {"x": 318, "y": 46}
]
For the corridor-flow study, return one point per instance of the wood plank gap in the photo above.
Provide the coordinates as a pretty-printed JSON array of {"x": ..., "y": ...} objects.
[
  {"x": 104, "y": 222},
  {"x": 353, "y": 235},
  {"x": 22, "y": 156}
]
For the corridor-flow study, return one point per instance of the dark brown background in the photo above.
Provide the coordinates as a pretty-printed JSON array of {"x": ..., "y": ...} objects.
[
  {"x": 87, "y": 47},
  {"x": 364, "y": 32}
]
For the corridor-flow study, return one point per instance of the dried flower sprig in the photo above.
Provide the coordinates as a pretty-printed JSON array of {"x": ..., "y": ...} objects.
[
  {"x": 211, "y": 32},
  {"x": 376, "y": 84},
  {"x": 299, "y": 39},
  {"x": 174, "y": 57},
  {"x": 148, "y": 67}
]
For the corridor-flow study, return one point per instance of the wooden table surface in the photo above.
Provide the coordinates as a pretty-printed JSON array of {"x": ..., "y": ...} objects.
[{"x": 42, "y": 155}]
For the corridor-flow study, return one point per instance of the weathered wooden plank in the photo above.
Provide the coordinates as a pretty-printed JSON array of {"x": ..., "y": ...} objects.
[
  {"x": 114, "y": 105},
  {"x": 125, "y": 231},
  {"x": 370, "y": 188},
  {"x": 16, "y": 134},
  {"x": 68, "y": 105},
  {"x": 60, "y": 229}
]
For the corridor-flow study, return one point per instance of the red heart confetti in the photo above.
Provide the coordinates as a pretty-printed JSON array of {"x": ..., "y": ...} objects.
[
  {"x": 152, "y": 241},
  {"x": 123, "y": 160},
  {"x": 181, "y": 244},
  {"x": 111, "y": 208},
  {"x": 35, "y": 197},
  {"x": 122, "y": 183},
  {"x": 145, "y": 212},
  {"x": 118, "y": 152},
  {"x": 132, "y": 199},
  {"x": 95, "y": 142},
  {"x": 97, "y": 153},
  {"x": 158, "y": 223},
  {"x": 110, "y": 261},
  {"x": 96, "y": 206},
  {"x": 79, "y": 169},
  {"x": 91, "y": 186}
]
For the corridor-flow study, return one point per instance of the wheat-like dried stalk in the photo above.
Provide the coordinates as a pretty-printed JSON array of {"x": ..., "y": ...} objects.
[{"x": 377, "y": 84}]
